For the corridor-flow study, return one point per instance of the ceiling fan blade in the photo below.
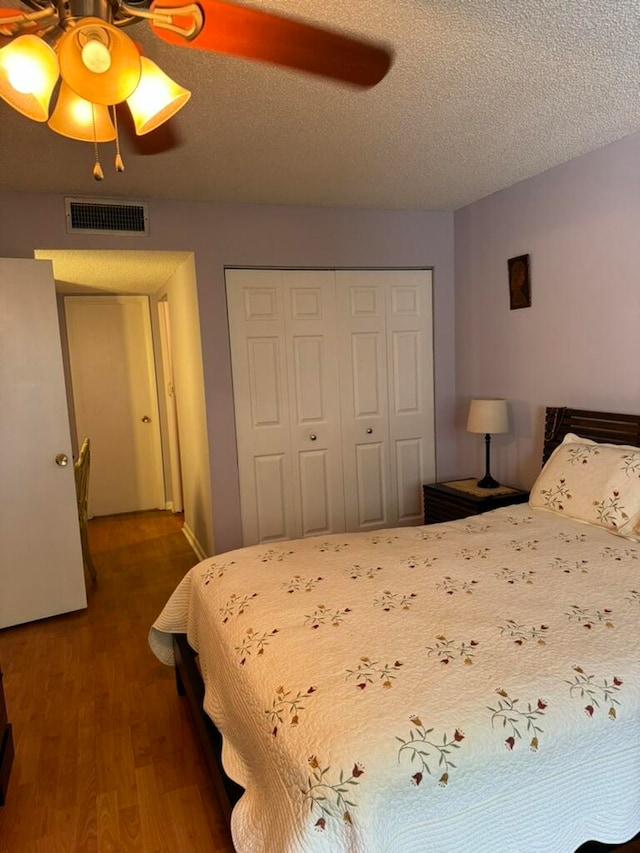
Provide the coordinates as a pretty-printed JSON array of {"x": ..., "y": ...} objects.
[
  {"x": 22, "y": 28},
  {"x": 254, "y": 34}
]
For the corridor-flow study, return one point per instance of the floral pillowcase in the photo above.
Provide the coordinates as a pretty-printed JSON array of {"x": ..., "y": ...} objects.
[{"x": 594, "y": 483}]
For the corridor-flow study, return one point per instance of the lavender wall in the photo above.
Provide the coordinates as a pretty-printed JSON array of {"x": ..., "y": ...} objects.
[
  {"x": 241, "y": 235},
  {"x": 579, "y": 343}
]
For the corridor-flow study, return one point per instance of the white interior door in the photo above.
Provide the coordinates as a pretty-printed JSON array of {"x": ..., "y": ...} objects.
[
  {"x": 41, "y": 572},
  {"x": 261, "y": 397},
  {"x": 314, "y": 412},
  {"x": 361, "y": 300},
  {"x": 386, "y": 354},
  {"x": 409, "y": 316},
  {"x": 285, "y": 378},
  {"x": 115, "y": 400}
]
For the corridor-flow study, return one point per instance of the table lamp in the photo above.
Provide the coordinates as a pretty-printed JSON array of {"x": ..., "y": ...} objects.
[{"x": 488, "y": 416}]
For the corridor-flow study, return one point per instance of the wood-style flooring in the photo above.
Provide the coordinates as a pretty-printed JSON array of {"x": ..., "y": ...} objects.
[{"x": 106, "y": 759}]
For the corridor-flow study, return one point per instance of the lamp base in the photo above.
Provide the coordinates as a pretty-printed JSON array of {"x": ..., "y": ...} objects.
[{"x": 487, "y": 482}]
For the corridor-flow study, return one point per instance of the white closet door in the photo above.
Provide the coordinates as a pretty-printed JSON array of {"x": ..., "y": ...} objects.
[
  {"x": 333, "y": 388},
  {"x": 361, "y": 300},
  {"x": 387, "y": 394},
  {"x": 410, "y": 389},
  {"x": 312, "y": 360},
  {"x": 285, "y": 380},
  {"x": 261, "y": 397}
]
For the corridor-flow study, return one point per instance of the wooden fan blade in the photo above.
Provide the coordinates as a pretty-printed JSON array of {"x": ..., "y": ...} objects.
[
  {"x": 25, "y": 28},
  {"x": 254, "y": 34}
]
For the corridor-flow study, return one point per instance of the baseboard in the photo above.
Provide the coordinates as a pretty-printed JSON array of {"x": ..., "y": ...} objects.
[{"x": 190, "y": 536}]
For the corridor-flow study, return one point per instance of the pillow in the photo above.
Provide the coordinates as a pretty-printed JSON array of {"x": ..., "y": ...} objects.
[{"x": 593, "y": 483}]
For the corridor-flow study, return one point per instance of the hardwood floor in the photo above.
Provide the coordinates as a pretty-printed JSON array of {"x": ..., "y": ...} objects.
[{"x": 106, "y": 759}]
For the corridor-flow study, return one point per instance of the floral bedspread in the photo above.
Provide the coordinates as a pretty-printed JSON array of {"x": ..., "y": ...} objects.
[{"x": 465, "y": 686}]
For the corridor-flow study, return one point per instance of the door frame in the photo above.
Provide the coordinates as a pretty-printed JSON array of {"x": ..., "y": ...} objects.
[{"x": 171, "y": 434}]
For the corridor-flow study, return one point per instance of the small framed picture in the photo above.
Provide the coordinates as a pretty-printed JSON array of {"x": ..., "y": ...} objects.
[{"x": 519, "y": 282}]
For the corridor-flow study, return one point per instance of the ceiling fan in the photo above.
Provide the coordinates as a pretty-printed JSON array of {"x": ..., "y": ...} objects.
[{"x": 79, "y": 46}]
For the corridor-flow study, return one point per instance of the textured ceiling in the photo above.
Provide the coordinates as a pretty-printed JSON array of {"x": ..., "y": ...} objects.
[{"x": 482, "y": 94}]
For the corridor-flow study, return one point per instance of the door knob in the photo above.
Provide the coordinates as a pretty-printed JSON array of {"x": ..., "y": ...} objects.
[
  {"x": 369, "y": 430},
  {"x": 146, "y": 419},
  {"x": 62, "y": 459},
  {"x": 313, "y": 436}
]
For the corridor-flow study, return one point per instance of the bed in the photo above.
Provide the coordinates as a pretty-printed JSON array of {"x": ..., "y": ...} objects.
[{"x": 472, "y": 685}]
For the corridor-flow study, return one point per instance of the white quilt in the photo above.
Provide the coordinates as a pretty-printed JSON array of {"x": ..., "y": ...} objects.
[{"x": 470, "y": 686}]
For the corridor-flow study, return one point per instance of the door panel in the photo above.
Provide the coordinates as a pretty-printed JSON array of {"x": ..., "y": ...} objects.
[
  {"x": 41, "y": 570},
  {"x": 371, "y": 485},
  {"x": 368, "y": 374},
  {"x": 411, "y": 393},
  {"x": 360, "y": 297},
  {"x": 308, "y": 358},
  {"x": 270, "y": 495},
  {"x": 261, "y": 400},
  {"x": 115, "y": 400},
  {"x": 285, "y": 373},
  {"x": 264, "y": 358},
  {"x": 314, "y": 492},
  {"x": 405, "y": 373},
  {"x": 310, "y": 333}
]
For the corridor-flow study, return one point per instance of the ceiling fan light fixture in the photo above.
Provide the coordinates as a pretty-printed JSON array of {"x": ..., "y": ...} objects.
[
  {"x": 85, "y": 67},
  {"x": 29, "y": 72},
  {"x": 77, "y": 118},
  {"x": 156, "y": 99}
]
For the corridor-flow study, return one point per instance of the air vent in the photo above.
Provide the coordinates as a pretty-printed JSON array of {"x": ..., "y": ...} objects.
[{"x": 106, "y": 216}]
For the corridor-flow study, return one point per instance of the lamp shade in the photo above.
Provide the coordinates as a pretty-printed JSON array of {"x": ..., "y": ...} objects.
[
  {"x": 28, "y": 73},
  {"x": 156, "y": 99},
  {"x": 79, "y": 119},
  {"x": 488, "y": 416},
  {"x": 106, "y": 75}
]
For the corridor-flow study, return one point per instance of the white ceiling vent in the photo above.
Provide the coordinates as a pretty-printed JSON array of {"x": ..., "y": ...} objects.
[{"x": 106, "y": 216}]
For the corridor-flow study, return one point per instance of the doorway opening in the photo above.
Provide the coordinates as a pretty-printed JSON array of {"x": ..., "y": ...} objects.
[{"x": 160, "y": 285}]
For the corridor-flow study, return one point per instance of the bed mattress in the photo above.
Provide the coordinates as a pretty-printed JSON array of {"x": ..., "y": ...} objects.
[{"x": 473, "y": 685}]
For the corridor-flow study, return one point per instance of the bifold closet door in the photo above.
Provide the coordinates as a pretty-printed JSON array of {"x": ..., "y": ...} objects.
[
  {"x": 333, "y": 389},
  {"x": 285, "y": 380},
  {"x": 386, "y": 357}
]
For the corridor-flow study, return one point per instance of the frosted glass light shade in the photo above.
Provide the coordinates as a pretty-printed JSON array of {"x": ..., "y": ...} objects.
[
  {"x": 120, "y": 76},
  {"x": 156, "y": 99},
  {"x": 488, "y": 416},
  {"x": 74, "y": 117},
  {"x": 28, "y": 73}
]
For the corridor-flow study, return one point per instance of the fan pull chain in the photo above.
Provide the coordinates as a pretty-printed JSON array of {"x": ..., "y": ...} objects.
[
  {"x": 119, "y": 162},
  {"x": 98, "y": 174}
]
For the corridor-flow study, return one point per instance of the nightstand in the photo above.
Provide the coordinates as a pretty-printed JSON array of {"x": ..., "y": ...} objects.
[
  {"x": 460, "y": 498},
  {"x": 6, "y": 747}
]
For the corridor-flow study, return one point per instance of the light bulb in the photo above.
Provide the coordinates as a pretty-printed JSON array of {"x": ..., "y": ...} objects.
[
  {"x": 96, "y": 56},
  {"x": 25, "y": 74},
  {"x": 28, "y": 75},
  {"x": 77, "y": 118}
]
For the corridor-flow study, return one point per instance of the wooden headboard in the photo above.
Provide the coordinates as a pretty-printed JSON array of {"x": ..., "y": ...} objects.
[{"x": 607, "y": 427}]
